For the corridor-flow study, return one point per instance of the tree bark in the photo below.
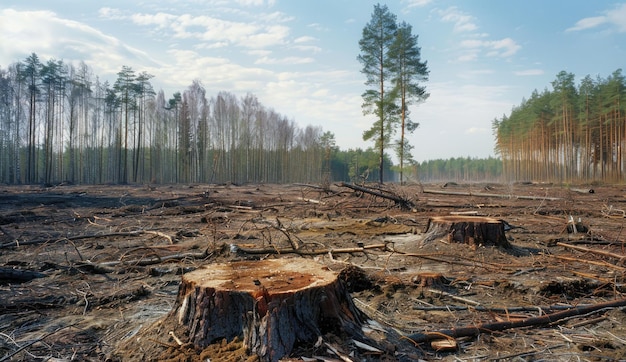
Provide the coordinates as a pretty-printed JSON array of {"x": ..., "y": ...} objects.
[
  {"x": 471, "y": 230},
  {"x": 271, "y": 304}
]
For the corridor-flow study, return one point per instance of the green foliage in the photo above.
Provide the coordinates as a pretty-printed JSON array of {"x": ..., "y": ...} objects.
[
  {"x": 570, "y": 133},
  {"x": 394, "y": 72},
  {"x": 460, "y": 169}
]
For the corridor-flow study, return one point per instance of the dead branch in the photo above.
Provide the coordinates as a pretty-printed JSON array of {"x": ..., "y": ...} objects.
[
  {"x": 592, "y": 262},
  {"x": 620, "y": 257},
  {"x": 468, "y": 262},
  {"x": 105, "y": 267},
  {"x": 612, "y": 212},
  {"x": 404, "y": 203},
  {"x": 481, "y": 194},
  {"x": 475, "y": 330},
  {"x": 308, "y": 252},
  {"x": 80, "y": 237},
  {"x": 9, "y": 355}
]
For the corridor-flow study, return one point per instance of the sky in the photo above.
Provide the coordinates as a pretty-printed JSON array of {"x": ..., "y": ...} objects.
[{"x": 299, "y": 57}]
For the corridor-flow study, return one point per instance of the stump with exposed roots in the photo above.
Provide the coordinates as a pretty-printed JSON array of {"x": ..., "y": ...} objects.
[
  {"x": 471, "y": 230},
  {"x": 271, "y": 304}
]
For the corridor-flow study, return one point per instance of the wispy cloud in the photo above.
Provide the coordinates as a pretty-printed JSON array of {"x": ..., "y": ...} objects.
[
  {"x": 529, "y": 72},
  {"x": 463, "y": 22},
  {"x": 210, "y": 29},
  {"x": 409, "y": 4},
  {"x": 50, "y": 36},
  {"x": 474, "y": 44},
  {"x": 614, "y": 18},
  {"x": 284, "y": 61},
  {"x": 503, "y": 48}
]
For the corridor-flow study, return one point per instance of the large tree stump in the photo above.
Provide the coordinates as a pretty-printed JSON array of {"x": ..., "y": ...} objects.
[
  {"x": 271, "y": 304},
  {"x": 471, "y": 230}
]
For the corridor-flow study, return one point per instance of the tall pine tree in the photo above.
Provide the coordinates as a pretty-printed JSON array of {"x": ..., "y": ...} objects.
[
  {"x": 408, "y": 72},
  {"x": 378, "y": 36}
]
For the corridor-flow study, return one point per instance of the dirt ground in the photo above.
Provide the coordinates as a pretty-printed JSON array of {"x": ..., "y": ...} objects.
[{"x": 86, "y": 272}]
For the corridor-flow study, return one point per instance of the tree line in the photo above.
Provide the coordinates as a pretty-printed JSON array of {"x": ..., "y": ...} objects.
[
  {"x": 461, "y": 169},
  {"x": 573, "y": 132},
  {"x": 60, "y": 123}
]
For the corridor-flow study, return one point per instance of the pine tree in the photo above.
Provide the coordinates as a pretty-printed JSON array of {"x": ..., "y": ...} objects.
[
  {"x": 378, "y": 36},
  {"x": 409, "y": 72}
]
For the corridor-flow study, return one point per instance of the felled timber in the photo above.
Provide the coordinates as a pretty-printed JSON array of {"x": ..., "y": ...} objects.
[{"x": 482, "y": 194}]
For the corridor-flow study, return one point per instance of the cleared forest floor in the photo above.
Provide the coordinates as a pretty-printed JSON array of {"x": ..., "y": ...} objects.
[{"x": 86, "y": 271}]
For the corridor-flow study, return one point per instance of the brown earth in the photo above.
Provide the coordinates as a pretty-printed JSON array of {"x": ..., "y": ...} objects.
[{"x": 91, "y": 272}]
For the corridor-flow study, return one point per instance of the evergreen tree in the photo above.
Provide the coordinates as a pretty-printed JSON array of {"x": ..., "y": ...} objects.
[
  {"x": 378, "y": 37},
  {"x": 409, "y": 72}
]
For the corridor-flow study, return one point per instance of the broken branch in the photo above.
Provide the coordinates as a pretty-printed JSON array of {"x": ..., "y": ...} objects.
[{"x": 472, "y": 331}]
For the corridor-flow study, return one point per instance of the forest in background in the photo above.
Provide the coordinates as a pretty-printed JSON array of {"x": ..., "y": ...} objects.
[
  {"x": 60, "y": 123},
  {"x": 572, "y": 133}
]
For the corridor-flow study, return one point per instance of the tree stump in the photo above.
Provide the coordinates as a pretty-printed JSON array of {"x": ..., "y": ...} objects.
[
  {"x": 271, "y": 304},
  {"x": 471, "y": 230}
]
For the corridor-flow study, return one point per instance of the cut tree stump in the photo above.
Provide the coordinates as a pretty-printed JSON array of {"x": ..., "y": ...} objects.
[
  {"x": 271, "y": 304},
  {"x": 471, "y": 230}
]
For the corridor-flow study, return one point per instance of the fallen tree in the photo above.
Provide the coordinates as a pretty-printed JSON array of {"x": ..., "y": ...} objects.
[{"x": 402, "y": 202}]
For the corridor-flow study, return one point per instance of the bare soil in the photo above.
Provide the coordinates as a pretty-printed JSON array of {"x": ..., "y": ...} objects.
[{"x": 90, "y": 272}]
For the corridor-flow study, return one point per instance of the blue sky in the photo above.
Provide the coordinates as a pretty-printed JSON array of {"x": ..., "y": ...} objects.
[{"x": 299, "y": 56}]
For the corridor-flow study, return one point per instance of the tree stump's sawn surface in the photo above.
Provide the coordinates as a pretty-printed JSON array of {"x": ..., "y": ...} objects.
[
  {"x": 273, "y": 304},
  {"x": 471, "y": 230}
]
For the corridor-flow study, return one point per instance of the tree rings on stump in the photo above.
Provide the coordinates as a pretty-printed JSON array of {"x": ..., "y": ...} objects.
[
  {"x": 271, "y": 304},
  {"x": 471, "y": 230}
]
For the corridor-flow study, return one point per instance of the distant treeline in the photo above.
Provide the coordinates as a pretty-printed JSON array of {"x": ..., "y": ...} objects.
[
  {"x": 60, "y": 123},
  {"x": 567, "y": 134},
  {"x": 461, "y": 169}
]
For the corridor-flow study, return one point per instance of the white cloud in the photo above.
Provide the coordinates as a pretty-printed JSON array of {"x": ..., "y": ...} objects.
[
  {"x": 264, "y": 31},
  {"x": 415, "y": 3},
  {"x": 614, "y": 18},
  {"x": 317, "y": 27},
  {"x": 529, "y": 72},
  {"x": 284, "y": 61},
  {"x": 308, "y": 48},
  {"x": 304, "y": 39},
  {"x": 503, "y": 48},
  {"x": 255, "y": 2},
  {"x": 110, "y": 13},
  {"x": 588, "y": 23},
  {"x": 462, "y": 22},
  {"x": 49, "y": 36}
]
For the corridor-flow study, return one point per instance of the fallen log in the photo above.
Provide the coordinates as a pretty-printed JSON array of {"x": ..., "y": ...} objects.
[
  {"x": 404, "y": 203},
  {"x": 272, "y": 304},
  {"x": 12, "y": 275},
  {"x": 475, "y": 330},
  {"x": 482, "y": 194},
  {"x": 583, "y": 191},
  {"x": 302, "y": 251}
]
